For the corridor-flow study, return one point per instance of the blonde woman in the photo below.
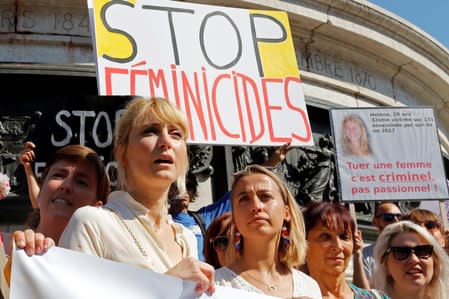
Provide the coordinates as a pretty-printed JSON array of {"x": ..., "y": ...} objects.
[
  {"x": 410, "y": 263},
  {"x": 267, "y": 238},
  {"x": 354, "y": 137},
  {"x": 134, "y": 227}
]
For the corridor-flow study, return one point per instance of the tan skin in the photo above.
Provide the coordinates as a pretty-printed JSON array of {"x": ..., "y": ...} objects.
[
  {"x": 259, "y": 213},
  {"x": 68, "y": 186},
  {"x": 154, "y": 158},
  {"x": 411, "y": 275},
  {"x": 328, "y": 256}
]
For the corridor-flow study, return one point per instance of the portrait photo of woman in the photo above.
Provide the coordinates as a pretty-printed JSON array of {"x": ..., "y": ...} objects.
[{"x": 354, "y": 136}]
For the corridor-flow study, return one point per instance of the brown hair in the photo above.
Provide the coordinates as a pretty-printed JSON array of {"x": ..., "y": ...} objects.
[
  {"x": 75, "y": 153},
  {"x": 219, "y": 227},
  {"x": 334, "y": 216}
]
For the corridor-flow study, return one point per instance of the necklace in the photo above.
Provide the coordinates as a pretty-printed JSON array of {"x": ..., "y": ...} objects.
[{"x": 270, "y": 287}]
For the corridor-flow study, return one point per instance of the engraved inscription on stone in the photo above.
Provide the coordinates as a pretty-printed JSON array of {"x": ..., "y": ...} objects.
[{"x": 32, "y": 18}]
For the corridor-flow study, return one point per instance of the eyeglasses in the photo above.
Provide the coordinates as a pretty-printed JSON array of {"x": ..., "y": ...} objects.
[
  {"x": 431, "y": 224},
  {"x": 402, "y": 253},
  {"x": 220, "y": 242},
  {"x": 389, "y": 217}
]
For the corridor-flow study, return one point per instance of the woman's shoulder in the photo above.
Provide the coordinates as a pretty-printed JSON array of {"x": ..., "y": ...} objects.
[
  {"x": 303, "y": 276},
  {"x": 224, "y": 276},
  {"x": 304, "y": 285},
  {"x": 360, "y": 293},
  {"x": 87, "y": 212}
]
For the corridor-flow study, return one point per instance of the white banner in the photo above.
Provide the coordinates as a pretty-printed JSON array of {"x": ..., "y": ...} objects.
[
  {"x": 388, "y": 154},
  {"x": 62, "y": 273},
  {"x": 232, "y": 71}
]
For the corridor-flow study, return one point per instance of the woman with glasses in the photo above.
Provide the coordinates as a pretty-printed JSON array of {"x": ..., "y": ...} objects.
[
  {"x": 331, "y": 234},
  {"x": 267, "y": 238},
  {"x": 429, "y": 220},
  {"x": 216, "y": 240},
  {"x": 410, "y": 263}
]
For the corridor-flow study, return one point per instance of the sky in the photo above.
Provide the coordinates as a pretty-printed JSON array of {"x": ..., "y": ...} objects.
[{"x": 432, "y": 16}]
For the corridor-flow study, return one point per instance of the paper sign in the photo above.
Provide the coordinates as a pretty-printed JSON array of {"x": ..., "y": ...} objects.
[
  {"x": 388, "y": 154},
  {"x": 232, "y": 71},
  {"x": 62, "y": 273}
]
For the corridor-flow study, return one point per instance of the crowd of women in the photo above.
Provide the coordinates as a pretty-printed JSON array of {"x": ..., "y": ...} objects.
[{"x": 267, "y": 244}]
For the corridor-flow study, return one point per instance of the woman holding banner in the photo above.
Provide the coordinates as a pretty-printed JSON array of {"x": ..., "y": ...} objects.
[
  {"x": 354, "y": 136},
  {"x": 268, "y": 238},
  {"x": 411, "y": 263},
  {"x": 134, "y": 227},
  {"x": 330, "y": 233}
]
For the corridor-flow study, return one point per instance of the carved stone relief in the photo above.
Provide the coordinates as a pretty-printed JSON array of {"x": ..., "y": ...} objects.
[{"x": 14, "y": 131}]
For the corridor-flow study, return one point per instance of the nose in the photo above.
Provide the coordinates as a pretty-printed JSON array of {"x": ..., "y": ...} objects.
[
  {"x": 257, "y": 205},
  {"x": 337, "y": 244},
  {"x": 164, "y": 139},
  {"x": 65, "y": 185}
]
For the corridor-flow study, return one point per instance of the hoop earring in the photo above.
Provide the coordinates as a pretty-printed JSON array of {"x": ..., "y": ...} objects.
[
  {"x": 237, "y": 242},
  {"x": 285, "y": 237}
]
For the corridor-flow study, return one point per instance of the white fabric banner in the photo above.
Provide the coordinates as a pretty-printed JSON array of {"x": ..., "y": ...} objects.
[{"x": 62, "y": 273}]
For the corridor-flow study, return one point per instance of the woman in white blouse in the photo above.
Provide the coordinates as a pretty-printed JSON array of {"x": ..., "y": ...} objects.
[
  {"x": 268, "y": 239},
  {"x": 134, "y": 226}
]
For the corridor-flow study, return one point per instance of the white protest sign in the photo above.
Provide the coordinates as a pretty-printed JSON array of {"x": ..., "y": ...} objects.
[
  {"x": 388, "y": 154},
  {"x": 62, "y": 273},
  {"x": 232, "y": 71}
]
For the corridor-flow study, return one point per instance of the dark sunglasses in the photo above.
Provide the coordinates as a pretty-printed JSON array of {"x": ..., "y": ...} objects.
[
  {"x": 431, "y": 224},
  {"x": 402, "y": 253},
  {"x": 220, "y": 242},
  {"x": 389, "y": 217}
]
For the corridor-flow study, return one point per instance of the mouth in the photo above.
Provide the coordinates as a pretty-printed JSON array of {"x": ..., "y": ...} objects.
[
  {"x": 414, "y": 271},
  {"x": 337, "y": 258},
  {"x": 164, "y": 159},
  {"x": 61, "y": 202},
  {"x": 258, "y": 219}
]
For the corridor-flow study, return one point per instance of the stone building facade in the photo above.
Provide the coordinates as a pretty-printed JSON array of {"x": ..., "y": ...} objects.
[{"x": 350, "y": 53}]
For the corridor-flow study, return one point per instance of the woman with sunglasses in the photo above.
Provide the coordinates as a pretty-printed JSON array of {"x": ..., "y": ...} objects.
[
  {"x": 330, "y": 233},
  {"x": 268, "y": 238},
  {"x": 410, "y": 263},
  {"x": 216, "y": 240},
  {"x": 429, "y": 220}
]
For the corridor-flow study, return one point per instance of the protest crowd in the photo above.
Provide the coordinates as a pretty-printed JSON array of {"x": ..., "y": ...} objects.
[
  {"x": 256, "y": 237},
  {"x": 266, "y": 237}
]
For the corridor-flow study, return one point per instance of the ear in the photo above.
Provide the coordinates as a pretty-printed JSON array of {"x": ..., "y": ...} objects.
[
  {"x": 98, "y": 204},
  {"x": 287, "y": 213}
]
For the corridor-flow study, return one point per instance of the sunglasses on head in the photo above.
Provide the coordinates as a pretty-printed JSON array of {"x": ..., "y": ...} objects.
[
  {"x": 389, "y": 217},
  {"x": 220, "y": 242},
  {"x": 402, "y": 253},
  {"x": 431, "y": 224}
]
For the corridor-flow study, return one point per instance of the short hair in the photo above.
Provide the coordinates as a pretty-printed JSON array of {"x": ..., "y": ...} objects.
[
  {"x": 419, "y": 216},
  {"x": 140, "y": 111},
  {"x": 219, "y": 227},
  {"x": 377, "y": 205},
  {"x": 296, "y": 252},
  {"x": 75, "y": 153},
  {"x": 334, "y": 216},
  {"x": 437, "y": 287}
]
